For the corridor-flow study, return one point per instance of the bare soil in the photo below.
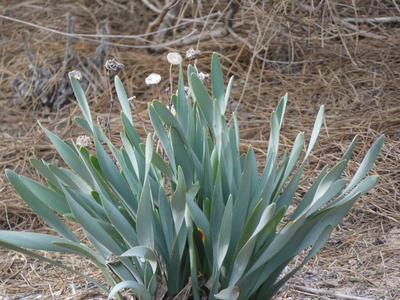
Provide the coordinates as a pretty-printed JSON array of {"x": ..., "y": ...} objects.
[{"x": 341, "y": 54}]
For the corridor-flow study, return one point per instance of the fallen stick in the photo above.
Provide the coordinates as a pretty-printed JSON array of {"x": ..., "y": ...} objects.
[
  {"x": 372, "y": 20},
  {"x": 328, "y": 293}
]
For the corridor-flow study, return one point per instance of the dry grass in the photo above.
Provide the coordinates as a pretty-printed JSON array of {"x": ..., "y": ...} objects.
[{"x": 313, "y": 53}]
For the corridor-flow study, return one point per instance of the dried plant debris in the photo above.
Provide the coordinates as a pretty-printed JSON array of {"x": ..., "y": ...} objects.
[
  {"x": 47, "y": 84},
  {"x": 291, "y": 48}
]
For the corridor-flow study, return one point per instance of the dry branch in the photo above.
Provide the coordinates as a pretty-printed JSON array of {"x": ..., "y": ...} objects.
[{"x": 328, "y": 293}]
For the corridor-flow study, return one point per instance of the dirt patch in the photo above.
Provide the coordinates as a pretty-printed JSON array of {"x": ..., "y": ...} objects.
[{"x": 343, "y": 56}]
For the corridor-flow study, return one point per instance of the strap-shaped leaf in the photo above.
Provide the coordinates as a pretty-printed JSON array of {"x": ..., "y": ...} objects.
[
  {"x": 277, "y": 244},
  {"x": 123, "y": 99},
  {"x": 217, "y": 82},
  {"x": 148, "y": 155},
  {"x": 84, "y": 124},
  {"x": 363, "y": 187},
  {"x": 242, "y": 201},
  {"x": 83, "y": 104},
  {"x": 114, "y": 177},
  {"x": 203, "y": 99},
  {"x": 130, "y": 131},
  {"x": 322, "y": 239},
  {"x": 224, "y": 233},
  {"x": 120, "y": 223},
  {"x": 47, "y": 196},
  {"x": 162, "y": 136},
  {"x": 43, "y": 169},
  {"x": 138, "y": 289},
  {"x": 169, "y": 120},
  {"x": 228, "y": 91},
  {"x": 202, "y": 224},
  {"x": 333, "y": 191},
  {"x": 70, "y": 156},
  {"x": 247, "y": 242},
  {"x": 176, "y": 262},
  {"x": 144, "y": 253},
  {"x": 97, "y": 259},
  {"x": 273, "y": 144},
  {"x": 309, "y": 196},
  {"x": 192, "y": 254},
  {"x": 216, "y": 211},
  {"x": 144, "y": 226},
  {"x": 178, "y": 201},
  {"x": 13, "y": 247},
  {"x": 366, "y": 164},
  {"x": 41, "y": 209},
  {"x": 316, "y": 129},
  {"x": 181, "y": 155},
  {"x": 230, "y": 293},
  {"x": 158, "y": 162},
  {"x": 32, "y": 240},
  {"x": 167, "y": 220},
  {"x": 182, "y": 102},
  {"x": 91, "y": 225}
]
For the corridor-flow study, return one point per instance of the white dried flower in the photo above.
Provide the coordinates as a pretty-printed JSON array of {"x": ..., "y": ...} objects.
[
  {"x": 76, "y": 74},
  {"x": 83, "y": 141},
  {"x": 204, "y": 77},
  {"x": 193, "y": 54},
  {"x": 153, "y": 78},
  {"x": 174, "y": 58},
  {"x": 113, "y": 66}
]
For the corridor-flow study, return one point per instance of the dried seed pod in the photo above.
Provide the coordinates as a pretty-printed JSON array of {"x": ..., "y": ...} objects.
[
  {"x": 83, "y": 141},
  {"x": 113, "y": 66},
  {"x": 193, "y": 54}
]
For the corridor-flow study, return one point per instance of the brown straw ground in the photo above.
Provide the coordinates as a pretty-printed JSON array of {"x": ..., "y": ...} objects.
[{"x": 342, "y": 54}]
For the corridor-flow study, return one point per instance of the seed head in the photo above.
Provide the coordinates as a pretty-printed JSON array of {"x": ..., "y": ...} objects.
[
  {"x": 204, "y": 77},
  {"x": 174, "y": 58},
  {"x": 193, "y": 54},
  {"x": 152, "y": 79},
  {"x": 83, "y": 141},
  {"x": 76, "y": 74},
  {"x": 113, "y": 66}
]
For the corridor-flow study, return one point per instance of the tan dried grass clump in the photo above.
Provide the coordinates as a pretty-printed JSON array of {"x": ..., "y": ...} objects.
[{"x": 342, "y": 56}]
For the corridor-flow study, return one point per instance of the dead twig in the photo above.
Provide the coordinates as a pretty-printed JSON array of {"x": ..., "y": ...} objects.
[
  {"x": 160, "y": 17},
  {"x": 372, "y": 20},
  {"x": 363, "y": 33},
  {"x": 328, "y": 293}
]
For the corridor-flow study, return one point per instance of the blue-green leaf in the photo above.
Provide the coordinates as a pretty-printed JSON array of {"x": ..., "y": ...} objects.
[
  {"x": 203, "y": 99},
  {"x": 41, "y": 209},
  {"x": 144, "y": 225},
  {"x": 83, "y": 104},
  {"x": 13, "y": 247},
  {"x": 230, "y": 293},
  {"x": 123, "y": 99},
  {"x": 138, "y": 289}
]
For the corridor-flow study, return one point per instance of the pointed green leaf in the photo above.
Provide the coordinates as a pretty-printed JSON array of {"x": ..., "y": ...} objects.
[
  {"x": 123, "y": 98},
  {"x": 203, "y": 99},
  {"x": 224, "y": 233},
  {"x": 41, "y": 209},
  {"x": 83, "y": 104},
  {"x": 57, "y": 264},
  {"x": 138, "y": 289},
  {"x": 230, "y": 293}
]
